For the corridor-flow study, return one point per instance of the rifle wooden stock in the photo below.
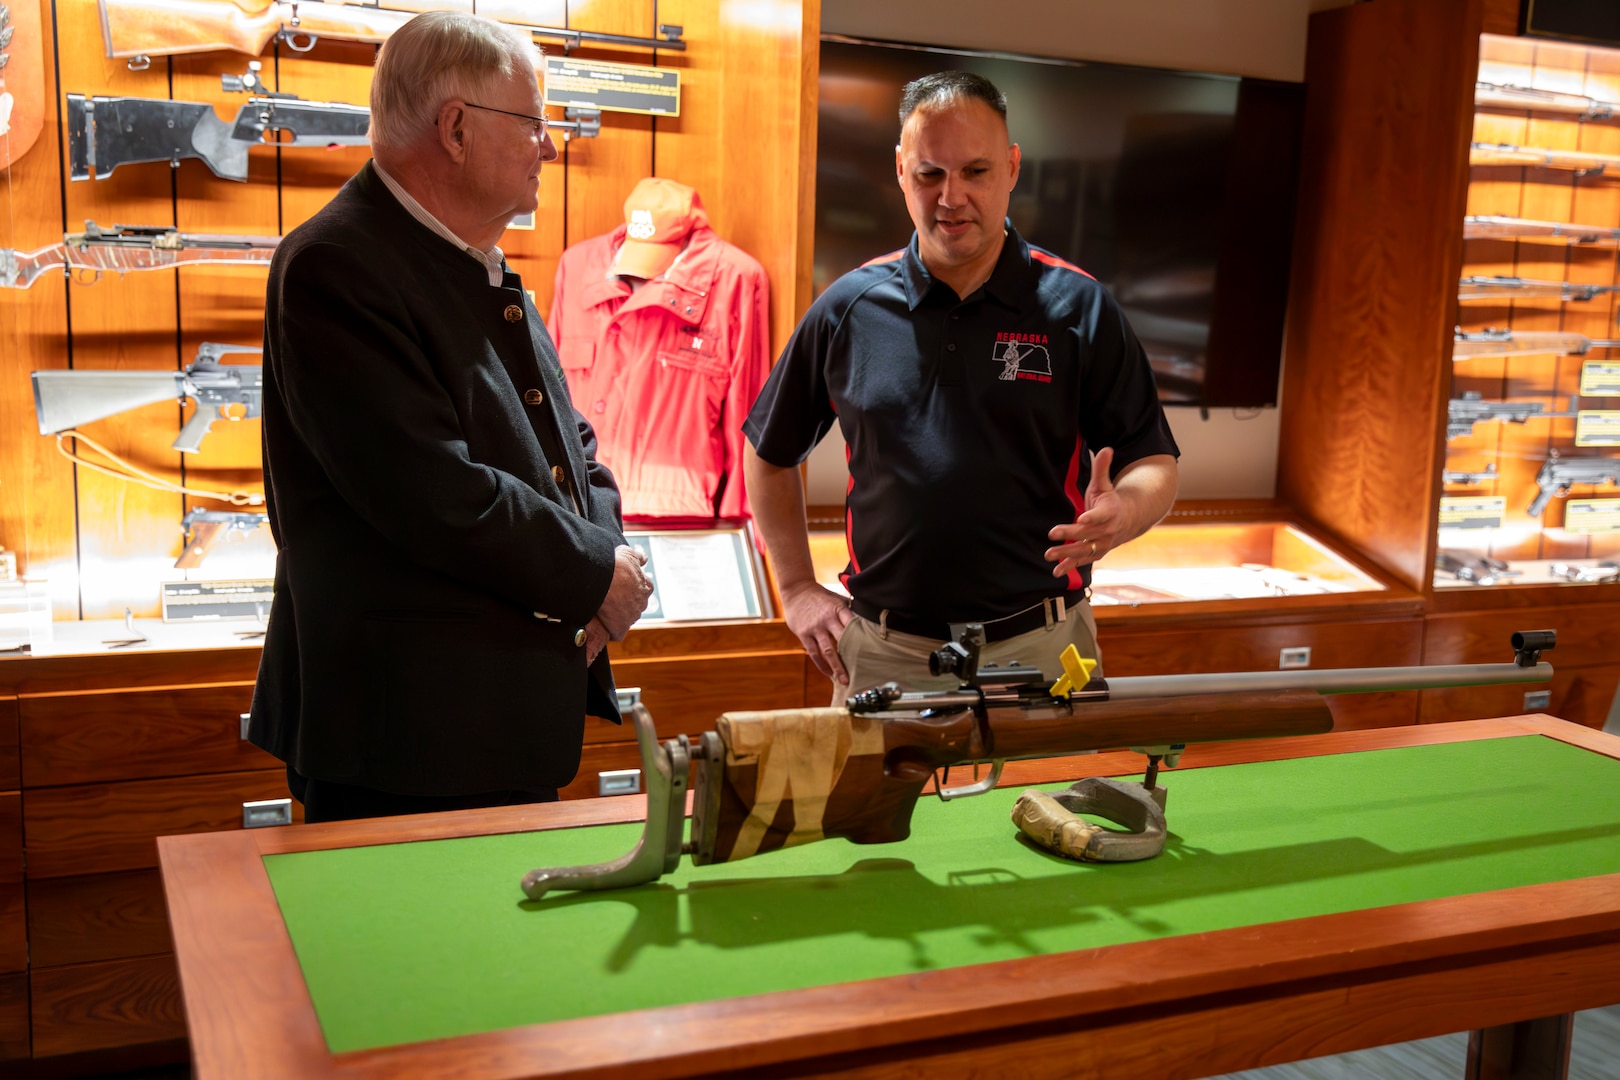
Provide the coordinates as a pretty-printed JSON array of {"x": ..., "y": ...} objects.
[
  {"x": 174, "y": 27},
  {"x": 872, "y": 770}
]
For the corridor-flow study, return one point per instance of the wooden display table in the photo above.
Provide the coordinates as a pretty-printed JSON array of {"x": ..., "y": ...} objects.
[{"x": 1314, "y": 900}]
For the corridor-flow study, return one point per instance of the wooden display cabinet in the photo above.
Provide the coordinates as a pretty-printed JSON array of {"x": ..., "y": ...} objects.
[{"x": 1547, "y": 296}]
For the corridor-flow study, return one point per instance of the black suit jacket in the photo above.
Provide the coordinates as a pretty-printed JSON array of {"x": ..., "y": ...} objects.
[{"x": 431, "y": 575}]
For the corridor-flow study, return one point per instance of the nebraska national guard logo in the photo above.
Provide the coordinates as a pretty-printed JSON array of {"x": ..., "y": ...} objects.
[{"x": 1023, "y": 356}]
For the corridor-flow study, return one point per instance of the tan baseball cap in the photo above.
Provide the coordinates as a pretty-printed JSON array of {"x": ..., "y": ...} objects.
[{"x": 659, "y": 215}]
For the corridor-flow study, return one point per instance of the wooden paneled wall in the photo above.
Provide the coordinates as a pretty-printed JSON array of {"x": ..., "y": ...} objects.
[
  {"x": 745, "y": 139},
  {"x": 1376, "y": 257},
  {"x": 1517, "y": 450}
]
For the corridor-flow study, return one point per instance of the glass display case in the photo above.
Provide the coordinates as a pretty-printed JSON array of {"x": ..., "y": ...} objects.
[
  {"x": 1532, "y": 452},
  {"x": 1189, "y": 561}
]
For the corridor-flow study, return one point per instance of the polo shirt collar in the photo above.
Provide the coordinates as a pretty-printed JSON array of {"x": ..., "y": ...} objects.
[{"x": 1009, "y": 285}]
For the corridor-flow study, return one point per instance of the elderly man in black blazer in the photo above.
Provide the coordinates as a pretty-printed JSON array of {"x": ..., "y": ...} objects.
[{"x": 451, "y": 557}]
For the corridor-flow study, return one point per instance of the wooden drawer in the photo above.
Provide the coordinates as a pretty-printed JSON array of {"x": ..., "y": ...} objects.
[
  {"x": 10, "y": 769},
  {"x": 76, "y": 920},
  {"x": 84, "y": 738},
  {"x": 1579, "y": 694},
  {"x": 1258, "y": 647},
  {"x": 13, "y": 938},
  {"x": 601, "y": 758},
  {"x": 94, "y": 1006},
  {"x": 13, "y": 1016},
  {"x": 96, "y": 828},
  {"x": 1586, "y": 635},
  {"x": 686, "y": 693}
]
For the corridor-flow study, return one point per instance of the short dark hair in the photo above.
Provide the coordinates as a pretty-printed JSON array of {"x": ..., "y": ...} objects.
[{"x": 946, "y": 87}]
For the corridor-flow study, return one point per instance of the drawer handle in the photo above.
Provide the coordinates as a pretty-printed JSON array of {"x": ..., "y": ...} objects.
[
  {"x": 619, "y": 782},
  {"x": 247, "y": 718},
  {"x": 1537, "y": 700},
  {"x": 266, "y": 812}
]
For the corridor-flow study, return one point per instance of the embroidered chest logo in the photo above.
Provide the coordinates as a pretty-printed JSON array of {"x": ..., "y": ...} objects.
[
  {"x": 641, "y": 225},
  {"x": 1023, "y": 356}
]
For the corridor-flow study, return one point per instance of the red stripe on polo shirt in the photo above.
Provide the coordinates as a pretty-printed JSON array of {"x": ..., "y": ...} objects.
[
  {"x": 881, "y": 259},
  {"x": 1071, "y": 488},
  {"x": 1052, "y": 260},
  {"x": 849, "y": 522}
]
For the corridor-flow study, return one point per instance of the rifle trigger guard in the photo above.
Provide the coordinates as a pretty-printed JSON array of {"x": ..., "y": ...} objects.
[
  {"x": 658, "y": 852},
  {"x": 291, "y": 37},
  {"x": 978, "y": 787}
]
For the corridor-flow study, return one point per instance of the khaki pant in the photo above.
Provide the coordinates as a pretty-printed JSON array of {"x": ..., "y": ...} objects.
[{"x": 873, "y": 657}]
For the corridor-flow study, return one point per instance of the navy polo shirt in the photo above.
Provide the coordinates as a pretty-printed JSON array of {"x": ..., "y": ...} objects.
[{"x": 967, "y": 422}]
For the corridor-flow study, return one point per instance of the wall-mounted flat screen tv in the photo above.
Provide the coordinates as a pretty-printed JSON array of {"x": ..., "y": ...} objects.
[{"x": 1174, "y": 189}]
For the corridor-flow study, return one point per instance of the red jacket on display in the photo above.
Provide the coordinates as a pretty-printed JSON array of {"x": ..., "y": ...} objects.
[{"x": 666, "y": 373}]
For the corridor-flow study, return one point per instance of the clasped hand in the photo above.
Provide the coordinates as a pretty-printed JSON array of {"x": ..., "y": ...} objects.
[{"x": 626, "y": 599}]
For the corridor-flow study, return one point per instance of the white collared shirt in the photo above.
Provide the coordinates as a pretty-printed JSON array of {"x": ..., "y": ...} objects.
[{"x": 491, "y": 259}]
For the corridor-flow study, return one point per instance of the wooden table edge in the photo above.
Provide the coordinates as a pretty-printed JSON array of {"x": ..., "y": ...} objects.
[{"x": 240, "y": 926}]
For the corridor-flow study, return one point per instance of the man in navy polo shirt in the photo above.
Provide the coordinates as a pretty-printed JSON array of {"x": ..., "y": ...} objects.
[{"x": 982, "y": 385}]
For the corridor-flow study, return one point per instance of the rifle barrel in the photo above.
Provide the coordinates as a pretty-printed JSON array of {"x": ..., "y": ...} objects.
[{"x": 1327, "y": 681}]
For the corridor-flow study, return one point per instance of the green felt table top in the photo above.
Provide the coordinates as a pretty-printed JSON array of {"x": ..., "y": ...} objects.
[{"x": 405, "y": 942}]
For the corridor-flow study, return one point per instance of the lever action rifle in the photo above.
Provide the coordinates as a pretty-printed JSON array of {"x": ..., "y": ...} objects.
[
  {"x": 1557, "y": 474},
  {"x": 769, "y": 780},
  {"x": 65, "y": 399},
  {"x": 122, "y": 249},
  {"x": 145, "y": 28},
  {"x": 1510, "y": 96},
  {"x": 1497, "y": 227},
  {"x": 1524, "y": 343},
  {"x": 1580, "y": 161},
  {"x": 1477, "y": 287}
]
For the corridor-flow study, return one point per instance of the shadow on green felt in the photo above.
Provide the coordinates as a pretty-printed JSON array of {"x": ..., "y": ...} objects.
[{"x": 890, "y": 899}]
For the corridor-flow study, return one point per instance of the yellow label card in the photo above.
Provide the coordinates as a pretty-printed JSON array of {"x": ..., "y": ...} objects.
[
  {"x": 1469, "y": 512},
  {"x": 1592, "y": 515},
  {"x": 1600, "y": 378},
  {"x": 1597, "y": 428}
]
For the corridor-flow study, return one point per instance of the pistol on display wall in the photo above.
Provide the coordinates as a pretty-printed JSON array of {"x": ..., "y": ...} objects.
[
  {"x": 205, "y": 528},
  {"x": 65, "y": 399},
  {"x": 1557, "y": 474}
]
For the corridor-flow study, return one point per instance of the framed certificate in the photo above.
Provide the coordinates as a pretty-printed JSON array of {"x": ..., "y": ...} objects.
[{"x": 700, "y": 575}]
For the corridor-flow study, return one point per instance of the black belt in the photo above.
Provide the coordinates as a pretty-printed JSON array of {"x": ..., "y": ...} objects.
[{"x": 1022, "y": 622}]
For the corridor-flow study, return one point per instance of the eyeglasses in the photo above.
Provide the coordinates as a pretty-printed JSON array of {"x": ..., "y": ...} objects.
[{"x": 540, "y": 122}]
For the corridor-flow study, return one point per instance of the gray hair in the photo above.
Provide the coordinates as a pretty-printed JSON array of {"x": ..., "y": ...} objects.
[{"x": 433, "y": 58}]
